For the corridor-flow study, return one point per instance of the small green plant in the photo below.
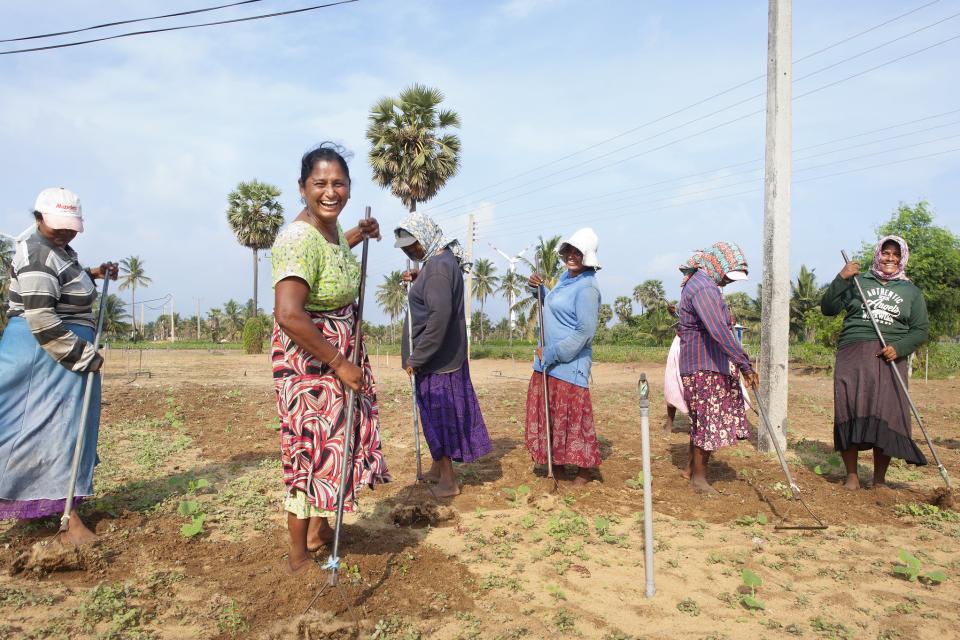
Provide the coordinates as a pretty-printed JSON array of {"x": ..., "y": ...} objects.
[
  {"x": 231, "y": 621},
  {"x": 517, "y": 496},
  {"x": 750, "y": 582},
  {"x": 636, "y": 483},
  {"x": 556, "y": 592},
  {"x": 192, "y": 509},
  {"x": 910, "y": 568},
  {"x": 689, "y": 606},
  {"x": 528, "y": 521},
  {"x": 564, "y": 620},
  {"x": 749, "y": 521}
]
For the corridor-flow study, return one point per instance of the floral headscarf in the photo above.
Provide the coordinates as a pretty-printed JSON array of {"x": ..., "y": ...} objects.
[
  {"x": 904, "y": 256},
  {"x": 716, "y": 261},
  {"x": 430, "y": 236}
]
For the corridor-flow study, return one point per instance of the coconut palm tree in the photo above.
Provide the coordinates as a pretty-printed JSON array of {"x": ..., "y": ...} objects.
[
  {"x": 133, "y": 276},
  {"x": 484, "y": 284},
  {"x": 233, "y": 318},
  {"x": 113, "y": 314},
  {"x": 411, "y": 153},
  {"x": 548, "y": 264},
  {"x": 804, "y": 296},
  {"x": 214, "y": 316},
  {"x": 392, "y": 298},
  {"x": 255, "y": 217},
  {"x": 511, "y": 287}
]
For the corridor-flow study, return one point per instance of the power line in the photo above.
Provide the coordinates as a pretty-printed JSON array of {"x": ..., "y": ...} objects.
[
  {"x": 131, "y": 21},
  {"x": 702, "y": 131},
  {"x": 180, "y": 28},
  {"x": 499, "y": 225},
  {"x": 759, "y": 189},
  {"x": 700, "y": 102}
]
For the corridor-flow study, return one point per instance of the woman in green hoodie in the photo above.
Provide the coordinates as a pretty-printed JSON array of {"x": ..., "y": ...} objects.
[{"x": 870, "y": 411}]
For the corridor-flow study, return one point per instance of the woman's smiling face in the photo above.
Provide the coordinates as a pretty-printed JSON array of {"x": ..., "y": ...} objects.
[
  {"x": 890, "y": 258},
  {"x": 326, "y": 191},
  {"x": 572, "y": 259}
]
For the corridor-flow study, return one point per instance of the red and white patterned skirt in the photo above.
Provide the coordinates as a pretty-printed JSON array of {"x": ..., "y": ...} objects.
[
  {"x": 312, "y": 409},
  {"x": 571, "y": 418}
]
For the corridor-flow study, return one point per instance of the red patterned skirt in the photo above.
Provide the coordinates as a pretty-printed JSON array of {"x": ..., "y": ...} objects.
[
  {"x": 312, "y": 409},
  {"x": 571, "y": 418}
]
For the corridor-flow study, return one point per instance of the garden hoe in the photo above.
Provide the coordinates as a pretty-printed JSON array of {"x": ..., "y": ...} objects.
[
  {"x": 794, "y": 489},
  {"x": 84, "y": 412},
  {"x": 346, "y": 469},
  {"x": 946, "y": 498},
  {"x": 413, "y": 385},
  {"x": 546, "y": 391}
]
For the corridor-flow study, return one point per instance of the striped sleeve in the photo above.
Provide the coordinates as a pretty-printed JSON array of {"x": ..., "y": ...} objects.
[
  {"x": 40, "y": 290},
  {"x": 712, "y": 311}
]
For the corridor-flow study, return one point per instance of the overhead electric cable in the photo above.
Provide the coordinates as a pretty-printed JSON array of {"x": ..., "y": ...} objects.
[
  {"x": 180, "y": 28},
  {"x": 449, "y": 215},
  {"x": 131, "y": 21},
  {"x": 690, "y": 106}
]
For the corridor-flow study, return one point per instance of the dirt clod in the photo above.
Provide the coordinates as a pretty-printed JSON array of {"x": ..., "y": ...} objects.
[
  {"x": 405, "y": 515},
  {"x": 49, "y": 556},
  {"x": 314, "y": 626},
  {"x": 942, "y": 498}
]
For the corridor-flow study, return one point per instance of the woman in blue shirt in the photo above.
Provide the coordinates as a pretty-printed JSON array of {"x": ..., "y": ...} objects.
[{"x": 570, "y": 315}]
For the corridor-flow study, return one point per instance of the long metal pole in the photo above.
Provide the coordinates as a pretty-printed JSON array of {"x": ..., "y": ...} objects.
[
  {"x": 644, "y": 390},
  {"x": 775, "y": 292},
  {"x": 546, "y": 388},
  {"x": 468, "y": 295},
  {"x": 84, "y": 413},
  {"x": 413, "y": 385},
  {"x": 346, "y": 465},
  {"x": 896, "y": 374}
]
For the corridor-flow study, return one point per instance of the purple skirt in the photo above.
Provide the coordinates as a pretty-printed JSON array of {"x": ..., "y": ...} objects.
[
  {"x": 450, "y": 416},
  {"x": 32, "y": 509}
]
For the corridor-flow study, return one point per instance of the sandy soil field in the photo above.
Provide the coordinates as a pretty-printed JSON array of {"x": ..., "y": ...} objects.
[{"x": 193, "y": 539}]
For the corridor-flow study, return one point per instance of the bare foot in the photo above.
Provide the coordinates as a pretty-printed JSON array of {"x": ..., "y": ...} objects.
[
  {"x": 879, "y": 484},
  {"x": 700, "y": 485},
  {"x": 77, "y": 533},
  {"x": 296, "y": 566},
  {"x": 319, "y": 535},
  {"x": 433, "y": 475},
  {"x": 852, "y": 483},
  {"x": 445, "y": 490},
  {"x": 686, "y": 472},
  {"x": 668, "y": 425},
  {"x": 583, "y": 477}
]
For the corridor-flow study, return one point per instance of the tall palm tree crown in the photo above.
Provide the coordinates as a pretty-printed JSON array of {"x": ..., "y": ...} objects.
[
  {"x": 484, "y": 283},
  {"x": 255, "y": 217},
  {"x": 133, "y": 276},
  {"x": 411, "y": 153}
]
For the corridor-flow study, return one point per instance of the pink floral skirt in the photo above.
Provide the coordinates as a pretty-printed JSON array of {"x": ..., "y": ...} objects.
[
  {"x": 571, "y": 418},
  {"x": 717, "y": 416}
]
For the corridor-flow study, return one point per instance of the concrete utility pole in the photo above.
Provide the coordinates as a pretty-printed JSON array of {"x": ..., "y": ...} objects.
[
  {"x": 173, "y": 326},
  {"x": 198, "y": 319},
  {"x": 775, "y": 296},
  {"x": 468, "y": 294}
]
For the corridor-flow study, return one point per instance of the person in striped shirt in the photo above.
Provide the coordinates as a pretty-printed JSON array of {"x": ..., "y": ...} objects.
[
  {"x": 45, "y": 350},
  {"x": 711, "y": 359}
]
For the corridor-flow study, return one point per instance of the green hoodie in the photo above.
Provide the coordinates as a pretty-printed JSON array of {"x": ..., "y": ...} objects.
[{"x": 898, "y": 306}]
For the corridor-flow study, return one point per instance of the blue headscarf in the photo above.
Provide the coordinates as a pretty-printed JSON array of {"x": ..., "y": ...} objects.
[{"x": 430, "y": 236}]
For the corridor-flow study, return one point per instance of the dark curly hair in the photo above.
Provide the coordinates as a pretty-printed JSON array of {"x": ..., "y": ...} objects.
[{"x": 329, "y": 151}]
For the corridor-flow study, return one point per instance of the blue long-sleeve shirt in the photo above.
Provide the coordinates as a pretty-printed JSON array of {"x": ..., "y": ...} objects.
[{"x": 571, "y": 311}]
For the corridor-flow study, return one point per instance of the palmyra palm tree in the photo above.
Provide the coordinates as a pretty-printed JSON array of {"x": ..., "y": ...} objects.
[
  {"x": 484, "y": 284},
  {"x": 392, "y": 298},
  {"x": 255, "y": 217},
  {"x": 411, "y": 153},
  {"x": 133, "y": 276},
  {"x": 649, "y": 293}
]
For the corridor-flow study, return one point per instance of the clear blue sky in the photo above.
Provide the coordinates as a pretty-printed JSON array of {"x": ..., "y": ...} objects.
[{"x": 152, "y": 132}]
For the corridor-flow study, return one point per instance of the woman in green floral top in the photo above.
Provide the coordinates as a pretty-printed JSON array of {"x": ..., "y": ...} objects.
[{"x": 316, "y": 280}]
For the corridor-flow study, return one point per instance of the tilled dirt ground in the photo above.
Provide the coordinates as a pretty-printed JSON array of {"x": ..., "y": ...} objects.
[{"x": 512, "y": 557}]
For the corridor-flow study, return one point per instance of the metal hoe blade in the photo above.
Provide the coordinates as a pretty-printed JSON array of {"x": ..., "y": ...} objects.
[{"x": 794, "y": 489}]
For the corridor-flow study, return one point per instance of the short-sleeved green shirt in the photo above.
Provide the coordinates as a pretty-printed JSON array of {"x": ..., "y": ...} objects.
[{"x": 330, "y": 270}]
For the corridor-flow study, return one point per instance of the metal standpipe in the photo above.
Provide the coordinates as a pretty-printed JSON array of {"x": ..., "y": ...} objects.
[{"x": 644, "y": 389}]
